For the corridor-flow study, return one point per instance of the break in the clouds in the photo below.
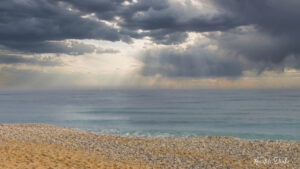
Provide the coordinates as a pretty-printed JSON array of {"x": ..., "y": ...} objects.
[{"x": 234, "y": 36}]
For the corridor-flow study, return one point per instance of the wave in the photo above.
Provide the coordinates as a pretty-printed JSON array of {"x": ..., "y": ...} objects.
[{"x": 172, "y": 133}]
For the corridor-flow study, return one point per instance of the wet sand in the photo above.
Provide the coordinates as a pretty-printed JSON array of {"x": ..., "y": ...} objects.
[{"x": 48, "y": 146}]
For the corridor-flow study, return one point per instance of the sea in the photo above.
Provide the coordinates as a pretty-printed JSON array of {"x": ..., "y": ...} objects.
[{"x": 251, "y": 113}]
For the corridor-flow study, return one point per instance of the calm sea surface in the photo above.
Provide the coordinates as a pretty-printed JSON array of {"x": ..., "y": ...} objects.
[{"x": 273, "y": 114}]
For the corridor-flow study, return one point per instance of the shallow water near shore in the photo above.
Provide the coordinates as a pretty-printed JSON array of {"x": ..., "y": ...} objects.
[{"x": 271, "y": 114}]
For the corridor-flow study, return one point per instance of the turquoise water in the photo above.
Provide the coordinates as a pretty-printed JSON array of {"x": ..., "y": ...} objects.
[{"x": 271, "y": 114}]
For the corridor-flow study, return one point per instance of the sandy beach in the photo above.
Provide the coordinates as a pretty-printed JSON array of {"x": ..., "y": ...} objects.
[{"x": 48, "y": 146}]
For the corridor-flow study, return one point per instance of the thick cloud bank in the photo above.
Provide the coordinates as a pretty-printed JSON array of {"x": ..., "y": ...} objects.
[
  {"x": 12, "y": 59},
  {"x": 256, "y": 35},
  {"x": 249, "y": 35},
  {"x": 195, "y": 61}
]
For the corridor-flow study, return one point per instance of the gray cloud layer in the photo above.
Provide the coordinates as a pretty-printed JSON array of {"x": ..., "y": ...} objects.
[
  {"x": 38, "y": 21},
  {"x": 268, "y": 40},
  {"x": 272, "y": 43},
  {"x": 13, "y": 59},
  {"x": 57, "y": 47},
  {"x": 29, "y": 25},
  {"x": 276, "y": 21},
  {"x": 195, "y": 61}
]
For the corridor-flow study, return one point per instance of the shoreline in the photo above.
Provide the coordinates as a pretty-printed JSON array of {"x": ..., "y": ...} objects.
[
  {"x": 43, "y": 145},
  {"x": 247, "y": 136},
  {"x": 242, "y": 135}
]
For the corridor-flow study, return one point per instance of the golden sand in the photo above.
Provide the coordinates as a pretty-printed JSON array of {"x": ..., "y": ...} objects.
[
  {"x": 26, "y": 154},
  {"x": 48, "y": 146}
]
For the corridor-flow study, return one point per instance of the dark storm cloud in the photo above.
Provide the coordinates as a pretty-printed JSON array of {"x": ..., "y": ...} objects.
[
  {"x": 30, "y": 25},
  {"x": 104, "y": 9},
  {"x": 194, "y": 61},
  {"x": 71, "y": 48},
  {"x": 276, "y": 35},
  {"x": 270, "y": 15},
  {"x": 259, "y": 51},
  {"x": 166, "y": 20},
  {"x": 37, "y": 20},
  {"x": 260, "y": 35},
  {"x": 13, "y": 59}
]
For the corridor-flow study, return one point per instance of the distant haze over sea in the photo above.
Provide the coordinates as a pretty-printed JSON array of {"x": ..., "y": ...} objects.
[{"x": 267, "y": 113}]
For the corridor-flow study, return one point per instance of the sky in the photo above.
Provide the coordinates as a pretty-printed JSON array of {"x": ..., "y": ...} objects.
[{"x": 149, "y": 44}]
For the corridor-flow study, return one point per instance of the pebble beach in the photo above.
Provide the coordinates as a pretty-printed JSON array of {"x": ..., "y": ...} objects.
[{"x": 49, "y": 146}]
